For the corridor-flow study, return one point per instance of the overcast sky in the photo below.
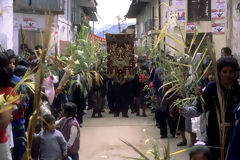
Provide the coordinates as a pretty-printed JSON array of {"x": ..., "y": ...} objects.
[{"x": 109, "y": 9}]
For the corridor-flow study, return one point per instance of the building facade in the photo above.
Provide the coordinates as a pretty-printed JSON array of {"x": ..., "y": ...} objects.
[
  {"x": 68, "y": 15},
  {"x": 219, "y": 18}
]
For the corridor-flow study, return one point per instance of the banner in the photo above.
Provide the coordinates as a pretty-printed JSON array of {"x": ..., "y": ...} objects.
[
  {"x": 181, "y": 10},
  {"x": 218, "y": 28},
  {"x": 29, "y": 24},
  {"x": 218, "y": 10},
  {"x": 191, "y": 27},
  {"x": 120, "y": 59},
  {"x": 218, "y": 13}
]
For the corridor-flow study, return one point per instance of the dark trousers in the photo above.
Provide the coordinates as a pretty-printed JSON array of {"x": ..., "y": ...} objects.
[
  {"x": 121, "y": 106},
  {"x": 74, "y": 156},
  {"x": 19, "y": 144},
  {"x": 162, "y": 118},
  {"x": 110, "y": 99}
]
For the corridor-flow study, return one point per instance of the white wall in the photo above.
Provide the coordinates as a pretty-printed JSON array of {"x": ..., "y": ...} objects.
[
  {"x": 62, "y": 25},
  {"x": 6, "y": 24},
  {"x": 38, "y": 23},
  {"x": 64, "y": 22}
]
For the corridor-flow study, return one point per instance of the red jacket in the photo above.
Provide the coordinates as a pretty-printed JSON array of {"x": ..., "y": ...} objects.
[{"x": 6, "y": 91}]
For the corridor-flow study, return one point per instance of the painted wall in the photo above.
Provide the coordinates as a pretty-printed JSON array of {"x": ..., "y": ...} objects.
[
  {"x": 143, "y": 16},
  {"x": 65, "y": 26},
  {"x": 219, "y": 40},
  {"x": 29, "y": 22},
  {"x": 62, "y": 26},
  {"x": 6, "y": 24}
]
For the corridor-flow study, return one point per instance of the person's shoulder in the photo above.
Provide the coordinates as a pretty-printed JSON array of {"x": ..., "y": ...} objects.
[
  {"x": 39, "y": 135},
  {"x": 75, "y": 123},
  {"x": 6, "y": 89},
  {"x": 57, "y": 133},
  {"x": 16, "y": 78},
  {"x": 211, "y": 86}
]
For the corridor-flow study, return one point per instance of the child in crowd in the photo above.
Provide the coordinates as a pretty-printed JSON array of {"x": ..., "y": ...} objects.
[
  {"x": 5, "y": 116},
  {"x": 49, "y": 144},
  {"x": 70, "y": 129},
  {"x": 200, "y": 153},
  {"x": 198, "y": 120},
  {"x": 18, "y": 122}
]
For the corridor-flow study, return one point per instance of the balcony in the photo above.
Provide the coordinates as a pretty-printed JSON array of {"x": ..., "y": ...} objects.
[{"x": 39, "y": 6}]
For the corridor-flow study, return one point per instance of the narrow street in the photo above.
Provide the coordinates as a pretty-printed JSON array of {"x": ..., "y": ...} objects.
[{"x": 101, "y": 137}]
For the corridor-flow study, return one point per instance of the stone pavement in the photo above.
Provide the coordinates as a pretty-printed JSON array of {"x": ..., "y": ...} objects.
[{"x": 101, "y": 137}]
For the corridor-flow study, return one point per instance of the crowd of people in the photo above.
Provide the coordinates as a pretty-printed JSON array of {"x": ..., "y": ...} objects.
[
  {"x": 64, "y": 142},
  {"x": 202, "y": 118},
  {"x": 63, "y": 110}
]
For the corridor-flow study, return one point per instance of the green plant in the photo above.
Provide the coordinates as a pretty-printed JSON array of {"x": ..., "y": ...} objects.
[{"x": 155, "y": 152}]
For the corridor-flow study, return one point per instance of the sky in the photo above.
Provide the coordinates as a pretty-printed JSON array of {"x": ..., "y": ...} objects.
[{"x": 108, "y": 10}]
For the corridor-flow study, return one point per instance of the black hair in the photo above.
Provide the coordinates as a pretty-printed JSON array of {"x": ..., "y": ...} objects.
[
  {"x": 70, "y": 109},
  {"x": 24, "y": 47},
  {"x": 49, "y": 118},
  {"x": 140, "y": 59},
  {"x": 20, "y": 70},
  {"x": 23, "y": 63},
  {"x": 210, "y": 71},
  {"x": 227, "y": 50},
  {"x": 227, "y": 61},
  {"x": 37, "y": 47},
  {"x": 31, "y": 52},
  {"x": 10, "y": 54},
  {"x": 5, "y": 71},
  {"x": 200, "y": 150}
]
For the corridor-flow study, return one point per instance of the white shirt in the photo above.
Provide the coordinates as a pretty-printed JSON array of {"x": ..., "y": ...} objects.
[{"x": 73, "y": 132}]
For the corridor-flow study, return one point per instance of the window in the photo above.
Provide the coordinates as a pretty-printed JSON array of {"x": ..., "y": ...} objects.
[{"x": 199, "y": 10}]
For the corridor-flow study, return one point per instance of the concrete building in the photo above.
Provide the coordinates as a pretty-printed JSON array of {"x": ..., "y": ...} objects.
[
  {"x": 146, "y": 13},
  {"x": 219, "y": 18},
  {"x": 69, "y": 15}
]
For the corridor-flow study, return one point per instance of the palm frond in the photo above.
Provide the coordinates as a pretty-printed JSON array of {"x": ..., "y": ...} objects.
[{"x": 136, "y": 150}]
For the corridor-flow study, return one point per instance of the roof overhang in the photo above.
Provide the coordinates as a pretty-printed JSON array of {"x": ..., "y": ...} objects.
[
  {"x": 135, "y": 9},
  {"x": 87, "y": 3}
]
